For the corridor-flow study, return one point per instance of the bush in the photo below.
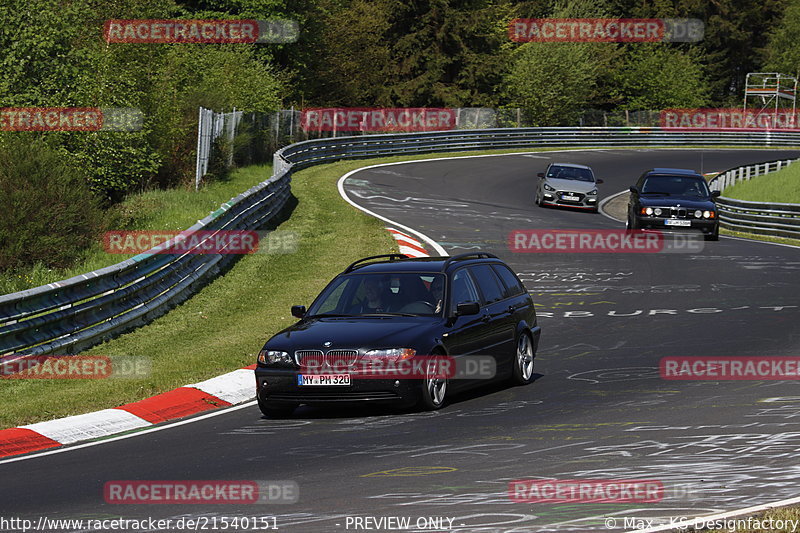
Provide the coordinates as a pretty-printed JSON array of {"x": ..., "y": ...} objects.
[{"x": 49, "y": 214}]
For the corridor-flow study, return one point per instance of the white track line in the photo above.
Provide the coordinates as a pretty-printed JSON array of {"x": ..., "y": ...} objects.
[{"x": 701, "y": 520}]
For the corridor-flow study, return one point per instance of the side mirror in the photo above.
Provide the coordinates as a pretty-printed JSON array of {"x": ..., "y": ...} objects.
[
  {"x": 540, "y": 174},
  {"x": 599, "y": 181},
  {"x": 468, "y": 308},
  {"x": 298, "y": 311},
  {"x": 715, "y": 194},
  {"x": 633, "y": 189}
]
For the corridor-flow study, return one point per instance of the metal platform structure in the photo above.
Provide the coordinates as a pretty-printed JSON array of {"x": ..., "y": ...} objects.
[{"x": 769, "y": 92}]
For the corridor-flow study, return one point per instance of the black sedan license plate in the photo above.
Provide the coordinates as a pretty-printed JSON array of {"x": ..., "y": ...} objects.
[{"x": 317, "y": 380}]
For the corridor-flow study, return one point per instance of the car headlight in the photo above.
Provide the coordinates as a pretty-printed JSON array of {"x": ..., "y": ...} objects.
[
  {"x": 698, "y": 213},
  {"x": 273, "y": 357},
  {"x": 593, "y": 192},
  {"x": 548, "y": 188},
  {"x": 392, "y": 354},
  {"x": 657, "y": 211},
  {"x": 708, "y": 214},
  {"x": 647, "y": 211}
]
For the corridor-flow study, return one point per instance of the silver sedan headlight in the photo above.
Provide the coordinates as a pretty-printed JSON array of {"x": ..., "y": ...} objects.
[
  {"x": 593, "y": 192},
  {"x": 548, "y": 188}
]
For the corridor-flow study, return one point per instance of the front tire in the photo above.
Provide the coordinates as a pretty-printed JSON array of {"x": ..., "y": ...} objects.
[
  {"x": 714, "y": 236},
  {"x": 522, "y": 373},
  {"x": 434, "y": 391}
]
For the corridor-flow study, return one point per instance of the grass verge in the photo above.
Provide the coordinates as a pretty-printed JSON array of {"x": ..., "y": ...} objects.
[
  {"x": 224, "y": 325},
  {"x": 782, "y": 186},
  {"x": 765, "y": 238}
]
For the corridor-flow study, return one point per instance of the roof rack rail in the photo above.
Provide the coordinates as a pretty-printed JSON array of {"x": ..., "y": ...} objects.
[
  {"x": 391, "y": 257},
  {"x": 476, "y": 255}
]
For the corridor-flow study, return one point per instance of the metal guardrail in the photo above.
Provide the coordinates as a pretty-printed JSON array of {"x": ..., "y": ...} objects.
[
  {"x": 71, "y": 315},
  {"x": 760, "y": 218}
]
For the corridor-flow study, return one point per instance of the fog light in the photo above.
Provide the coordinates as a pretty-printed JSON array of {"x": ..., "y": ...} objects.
[{"x": 396, "y": 383}]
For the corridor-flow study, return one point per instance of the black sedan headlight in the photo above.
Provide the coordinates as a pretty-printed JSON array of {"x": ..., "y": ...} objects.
[{"x": 274, "y": 357}]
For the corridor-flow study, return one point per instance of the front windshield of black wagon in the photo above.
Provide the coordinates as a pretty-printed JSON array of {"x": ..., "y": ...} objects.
[{"x": 382, "y": 293}]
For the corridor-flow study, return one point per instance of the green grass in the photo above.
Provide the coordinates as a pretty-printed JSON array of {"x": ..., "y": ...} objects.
[
  {"x": 171, "y": 210},
  {"x": 224, "y": 325},
  {"x": 781, "y": 187},
  {"x": 765, "y": 238}
]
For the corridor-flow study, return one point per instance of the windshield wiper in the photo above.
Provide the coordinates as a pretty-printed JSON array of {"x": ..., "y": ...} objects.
[
  {"x": 327, "y": 315},
  {"x": 656, "y": 192}
]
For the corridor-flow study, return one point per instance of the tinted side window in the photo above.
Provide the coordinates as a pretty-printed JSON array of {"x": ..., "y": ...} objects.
[
  {"x": 510, "y": 281},
  {"x": 488, "y": 283},
  {"x": 463, "y": 290}
]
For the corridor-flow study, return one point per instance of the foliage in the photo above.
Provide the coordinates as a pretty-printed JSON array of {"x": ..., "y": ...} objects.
[{"x": 49, "y": 215}]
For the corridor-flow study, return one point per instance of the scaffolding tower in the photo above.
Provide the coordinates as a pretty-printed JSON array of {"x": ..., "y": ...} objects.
[{"x": 769, "y": 91}]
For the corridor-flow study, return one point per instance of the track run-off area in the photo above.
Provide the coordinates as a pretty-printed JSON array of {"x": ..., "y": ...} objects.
[{"x": 598, "y": 409}]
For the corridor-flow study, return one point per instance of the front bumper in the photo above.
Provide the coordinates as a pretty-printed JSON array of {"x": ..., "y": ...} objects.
[
  {"x": 569, "y": 199},
  {"x": 704, "y": 225},
  {"x": 280, "y": 385}
]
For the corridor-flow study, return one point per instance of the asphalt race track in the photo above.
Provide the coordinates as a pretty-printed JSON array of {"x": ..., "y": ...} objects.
[{"x": 598, "y": 410}]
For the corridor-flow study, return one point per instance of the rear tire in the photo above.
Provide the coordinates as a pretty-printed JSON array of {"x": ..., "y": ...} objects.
[
  {"x": 276, "y": 409},
  {"x": 522, "y": 373}
]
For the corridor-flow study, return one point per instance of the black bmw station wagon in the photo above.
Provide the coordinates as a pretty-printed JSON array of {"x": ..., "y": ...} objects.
[{"x": 390, "y": 309}]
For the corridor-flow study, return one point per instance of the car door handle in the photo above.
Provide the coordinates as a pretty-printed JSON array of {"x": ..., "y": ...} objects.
[
  {"x": 511, "y": 309},
  {"x": 486, "y": 318}
]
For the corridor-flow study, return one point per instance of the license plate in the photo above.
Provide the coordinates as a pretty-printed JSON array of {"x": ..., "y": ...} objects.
[
  {"x": 323, "y": 379},
  {"x": 570, "y": 198},
  {"x": 677, "y": 222}
]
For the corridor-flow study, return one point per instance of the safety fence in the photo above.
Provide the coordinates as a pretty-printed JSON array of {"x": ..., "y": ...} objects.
[{"x": 761, "y": 218}]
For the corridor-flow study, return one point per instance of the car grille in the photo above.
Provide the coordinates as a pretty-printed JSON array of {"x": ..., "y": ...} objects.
[
  {"x": 335, "y": 359},
  {"x": 335, "y": 396},
  {"x": 578, "y": 195},
  {"x": 675, "y": 212}
]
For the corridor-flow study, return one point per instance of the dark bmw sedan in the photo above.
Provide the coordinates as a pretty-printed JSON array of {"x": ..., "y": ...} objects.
[
  {"x": 671, "y": 199},
  {"x": 395, "y": 330}
]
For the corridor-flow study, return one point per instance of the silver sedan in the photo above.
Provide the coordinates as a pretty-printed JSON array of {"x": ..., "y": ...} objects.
[{"x": 569, "y": 185}]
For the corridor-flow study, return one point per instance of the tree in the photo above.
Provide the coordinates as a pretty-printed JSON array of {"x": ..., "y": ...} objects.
[
  {"x": 656, "y": 76},
  {"x": 782, "y": 53}
]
